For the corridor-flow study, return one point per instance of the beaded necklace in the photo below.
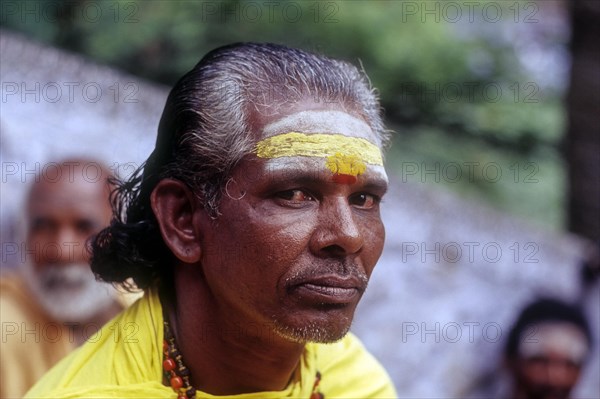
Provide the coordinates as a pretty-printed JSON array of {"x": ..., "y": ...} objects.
[{"x": 177, "y": 375}]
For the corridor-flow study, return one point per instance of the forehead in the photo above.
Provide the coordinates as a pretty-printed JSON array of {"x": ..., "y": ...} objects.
[
  {"x": 321, "y": 121},
  {"x": 554, "y": 337},
  {"x": 64, "y": 196},
  {"x": 332, "y": 141}
]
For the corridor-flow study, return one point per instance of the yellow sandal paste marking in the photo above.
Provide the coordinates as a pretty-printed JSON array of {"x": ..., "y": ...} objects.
[
  {"x": 345, "y": 155},
  {"x": 342, "y": 164}
]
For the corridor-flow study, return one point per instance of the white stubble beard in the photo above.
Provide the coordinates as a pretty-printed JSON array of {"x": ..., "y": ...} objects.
[{"x": 68, "y": 293}]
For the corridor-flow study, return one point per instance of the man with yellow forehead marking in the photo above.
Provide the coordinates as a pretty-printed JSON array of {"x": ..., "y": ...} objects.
[{"x": 253, "y": 229}]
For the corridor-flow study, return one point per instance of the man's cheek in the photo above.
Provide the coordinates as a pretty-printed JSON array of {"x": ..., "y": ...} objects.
[
  {"x": 374, "y": 238},
  {"x": 271, "y": 256}
]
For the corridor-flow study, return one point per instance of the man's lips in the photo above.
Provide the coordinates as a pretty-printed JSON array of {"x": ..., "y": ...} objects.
[{"x": 332, "y": 289}]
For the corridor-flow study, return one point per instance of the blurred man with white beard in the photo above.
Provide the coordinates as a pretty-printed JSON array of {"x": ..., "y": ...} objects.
[{"x": 53, "y": 303}]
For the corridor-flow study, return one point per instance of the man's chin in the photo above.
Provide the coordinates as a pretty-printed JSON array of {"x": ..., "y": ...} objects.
[{"x": 322, "y": 331}]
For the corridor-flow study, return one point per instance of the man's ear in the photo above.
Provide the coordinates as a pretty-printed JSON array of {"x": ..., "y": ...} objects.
[{"x": 176, "y": 209}]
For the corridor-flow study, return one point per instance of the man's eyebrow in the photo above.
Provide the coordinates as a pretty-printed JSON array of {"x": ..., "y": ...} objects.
[
  {"x": 303, "y": 177},
  {"x": 299, "y": 175},
  {"x": 378, "y": 185}
]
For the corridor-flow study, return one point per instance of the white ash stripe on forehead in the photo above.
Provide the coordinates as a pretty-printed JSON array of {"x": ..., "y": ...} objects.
[
  {"x": 543, "y": 338},
  {"x": 322, "y": 122},
  {"x": 316, "y": 165}
]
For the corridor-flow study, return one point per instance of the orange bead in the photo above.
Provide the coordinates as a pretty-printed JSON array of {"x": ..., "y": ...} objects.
[
  {"x": 169, "y": 364},
  {"x": 176, "y": 383}
]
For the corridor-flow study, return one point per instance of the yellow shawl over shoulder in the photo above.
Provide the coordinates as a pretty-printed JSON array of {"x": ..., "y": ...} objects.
[{"x": 124, "y": 360}]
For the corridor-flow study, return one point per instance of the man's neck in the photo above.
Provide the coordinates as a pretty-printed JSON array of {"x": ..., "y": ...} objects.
[{"x": 226, "y": 354}]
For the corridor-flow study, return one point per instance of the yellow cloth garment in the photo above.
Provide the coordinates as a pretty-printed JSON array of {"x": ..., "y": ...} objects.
[
  {"x": 31, "y": 342},
  {"x": 126, "y": 362}
]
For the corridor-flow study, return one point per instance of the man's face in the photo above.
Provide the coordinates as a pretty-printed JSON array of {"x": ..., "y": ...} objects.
[
  {"x": 299, "y": 235},
  {"x": 61, "y": 216},
  {"x": 550, "y": 361}
]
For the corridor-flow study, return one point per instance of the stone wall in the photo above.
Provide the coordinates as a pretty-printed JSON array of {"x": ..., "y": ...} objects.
[
  {"x": 57, "y": 104},
  {"x": 452, "y": 278}
]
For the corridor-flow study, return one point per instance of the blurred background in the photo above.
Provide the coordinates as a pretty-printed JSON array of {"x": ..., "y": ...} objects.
[{"x": 494, "y": 163}]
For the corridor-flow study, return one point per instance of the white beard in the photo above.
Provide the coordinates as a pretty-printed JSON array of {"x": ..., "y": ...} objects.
[{"x": 68, "y": 293}]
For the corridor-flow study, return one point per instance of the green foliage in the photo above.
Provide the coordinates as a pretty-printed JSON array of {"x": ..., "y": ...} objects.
[{"x": 438, "y": 79}]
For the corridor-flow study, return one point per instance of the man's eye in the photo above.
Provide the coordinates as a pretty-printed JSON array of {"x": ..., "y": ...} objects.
[
  {"x": 364, "y": 201},
  {"x": 85, "y": 226},
  {"x": 39, "y": 225},
  {"x": 295, "y": 196}
]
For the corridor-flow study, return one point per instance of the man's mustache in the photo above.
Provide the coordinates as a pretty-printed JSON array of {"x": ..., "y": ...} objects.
[
  {"x": 64, "y": 276},
  {"x": 342, "y": 269}
]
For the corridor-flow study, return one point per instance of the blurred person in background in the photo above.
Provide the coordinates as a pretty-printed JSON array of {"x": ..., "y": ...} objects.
[
  {"x": 53, "y": 303},
  {"x": 546, "y": 350}
]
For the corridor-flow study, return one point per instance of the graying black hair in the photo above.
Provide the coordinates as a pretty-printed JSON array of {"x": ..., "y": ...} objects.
[{"x": 206, "y": 129}]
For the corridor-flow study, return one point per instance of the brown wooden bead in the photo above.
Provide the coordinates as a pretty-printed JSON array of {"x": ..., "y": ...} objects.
[
  {"x": 169, "y": 364},
  {"x": 176, "y": 383}
]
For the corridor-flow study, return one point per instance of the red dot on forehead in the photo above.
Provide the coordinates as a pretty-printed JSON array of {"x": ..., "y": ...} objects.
[{"x": 343, "y": 179}]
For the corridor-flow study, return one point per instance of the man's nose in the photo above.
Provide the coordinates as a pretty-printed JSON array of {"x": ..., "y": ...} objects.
[
  {"x": 559, "y": 374},
  {"x": 72, "y": 247},
  {"x": 337, "y": 233}
]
